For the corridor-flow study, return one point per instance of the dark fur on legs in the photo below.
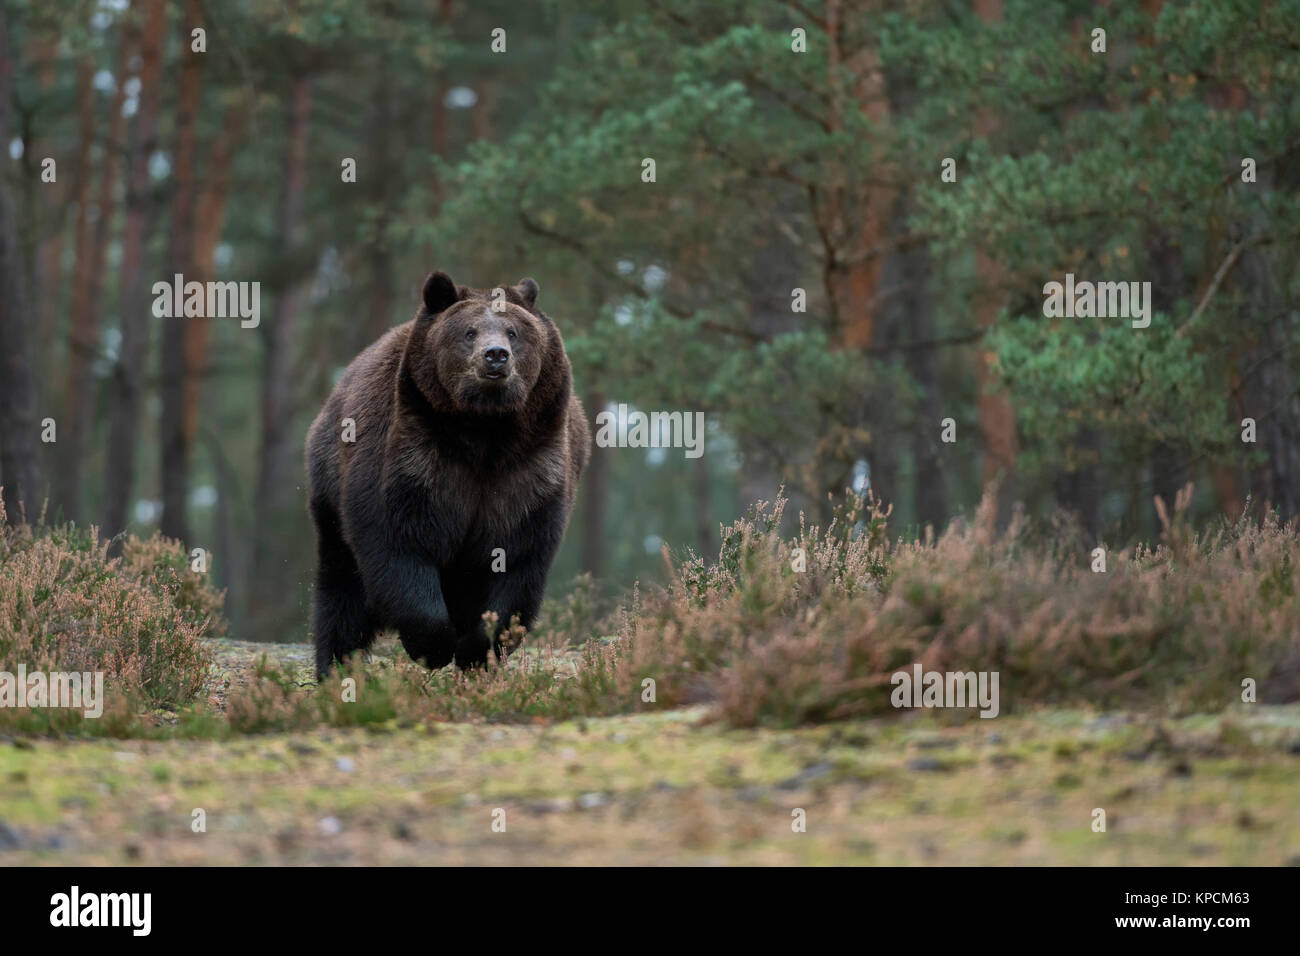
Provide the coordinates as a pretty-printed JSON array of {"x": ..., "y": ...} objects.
[{"x": 339, "y": 617}]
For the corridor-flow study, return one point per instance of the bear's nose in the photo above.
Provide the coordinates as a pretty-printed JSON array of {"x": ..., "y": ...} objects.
[{"x": 496, "y": 356}]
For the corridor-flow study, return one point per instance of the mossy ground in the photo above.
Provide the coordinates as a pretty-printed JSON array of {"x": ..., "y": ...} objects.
[{"x": 668, "y": 788}]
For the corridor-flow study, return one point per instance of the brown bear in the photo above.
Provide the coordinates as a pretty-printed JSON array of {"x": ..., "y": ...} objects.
[{"x": 448, "y": 493}]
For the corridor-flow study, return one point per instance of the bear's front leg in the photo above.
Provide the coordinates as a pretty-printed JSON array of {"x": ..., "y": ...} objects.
[
  {"x": 434, "y": 646},
  {"x": 517, "y": 592},
  {"x": 519, "y": 589},
  {"x": 407, "y": 591}
]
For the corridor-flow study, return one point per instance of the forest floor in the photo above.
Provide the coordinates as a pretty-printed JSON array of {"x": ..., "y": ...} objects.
[{"x": 666, "y": 788}]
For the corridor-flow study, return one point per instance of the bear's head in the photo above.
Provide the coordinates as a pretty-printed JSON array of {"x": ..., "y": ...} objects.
[{"x": 485, "y": 351}]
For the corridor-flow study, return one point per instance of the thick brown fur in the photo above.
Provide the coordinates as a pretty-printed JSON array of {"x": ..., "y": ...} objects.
[{"x": 468, "y": 439}]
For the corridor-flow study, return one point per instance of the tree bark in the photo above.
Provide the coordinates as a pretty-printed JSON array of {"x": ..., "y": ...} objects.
[
  {"x": 917, "y": 306},
  {"x": 124, "y": 386},
  {"x": 175, "y": 446},
  {"x": 19, "y": 468},
  {"x": 379, "y": 183},
  {"x": 280, "y": 460},
  {"x": 484, "y": 109},
  {"x": 45, "y": 216},
  {"x": 438, "y": 126},
  {"x": 210, "y": 217},
  {"x": 82, "y": 340},
  {"x": 855, "y": 216},
  {"x": 1271, "y": 393},
  {"x": 852, "y": 218},
  {"x": 87, "y": 317},
  {"x": 1168, "y": 459},
  {"x": 997, "y": 418}
]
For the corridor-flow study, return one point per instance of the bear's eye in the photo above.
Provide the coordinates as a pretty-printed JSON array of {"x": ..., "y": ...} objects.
[
  {"x": 511, "y": 334},
  {"x": 469, "y": 336}
]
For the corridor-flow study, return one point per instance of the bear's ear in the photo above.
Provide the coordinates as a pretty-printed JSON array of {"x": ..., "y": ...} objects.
[
  {"x": 527, "y": 290},
  {"x": 439, "y": 292}
]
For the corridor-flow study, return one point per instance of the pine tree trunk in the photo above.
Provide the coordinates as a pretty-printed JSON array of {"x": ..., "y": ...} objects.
[
  {"x": 210, "y": 217},
  {"x": 125, "y": 391},
  {"x": 917, "y": 307},
  {"x": 379, "y": 183},
  {"x": 997, "y": 418},
  {"x": 85, "y": 397},
  {"x": 439, "y": 131},
  {"x": 82, "y": 341},
  {"x": 19, "y": 468},
  {"x": 175, "y": 447},
  {"x": 46, "y": 218},
  {"x": 280, "y": 466}
]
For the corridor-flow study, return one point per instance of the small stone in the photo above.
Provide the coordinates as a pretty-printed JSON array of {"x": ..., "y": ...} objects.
[
  {"x": 927, "y": 764},
  {"x": 554, "y": 805},
  {"x": 811, "y": 772},
  {"x": 10, "y": 839}
]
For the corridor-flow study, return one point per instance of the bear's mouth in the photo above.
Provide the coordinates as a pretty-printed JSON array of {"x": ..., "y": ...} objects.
[{"x": 496, "y": 390}]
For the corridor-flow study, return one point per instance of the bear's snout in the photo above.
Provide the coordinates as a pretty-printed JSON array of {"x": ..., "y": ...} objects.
[{"x": 495, "y": 360}]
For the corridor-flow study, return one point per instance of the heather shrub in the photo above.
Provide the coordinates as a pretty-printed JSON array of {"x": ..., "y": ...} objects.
[
  {"x": 162, "y": 565},
  {"x": 542, "y": 686},
  {"x": 580, "y": 616},
  {"x": 776, "y": 630},
  {"x": 1176, "y": 626},
  {"x": 65, "y": 606},
  {"x": 764, "y": 600},
  {"x": 786, "y": 631}
]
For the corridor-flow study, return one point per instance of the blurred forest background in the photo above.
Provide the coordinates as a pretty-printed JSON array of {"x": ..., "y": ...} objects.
[{"x": 776, "y": 169}]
